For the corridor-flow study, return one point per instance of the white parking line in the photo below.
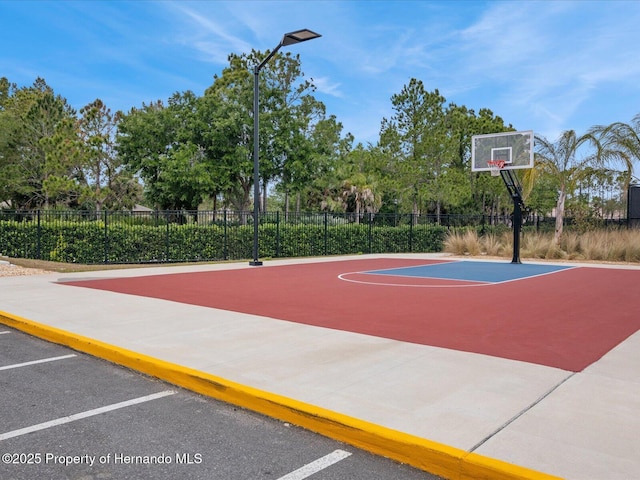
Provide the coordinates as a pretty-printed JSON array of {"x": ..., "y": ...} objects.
[
  {"x": 2, "y": 333},
  {"x": 35, "y": 362},
  {"x": 81, "y": 415},
  {"x": 314, "y": 467}
]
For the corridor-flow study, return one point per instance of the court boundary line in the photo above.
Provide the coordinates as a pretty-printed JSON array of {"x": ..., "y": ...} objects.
[
  {"x": 472, "y": 283},
  {"x": 479, "y": 284}
]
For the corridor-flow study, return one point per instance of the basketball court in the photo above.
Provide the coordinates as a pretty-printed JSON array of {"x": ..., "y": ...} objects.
[{"x": 554, "y": 315}]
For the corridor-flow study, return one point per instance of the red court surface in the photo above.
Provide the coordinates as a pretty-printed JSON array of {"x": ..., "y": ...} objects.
[{"x": 568, "y": 319}]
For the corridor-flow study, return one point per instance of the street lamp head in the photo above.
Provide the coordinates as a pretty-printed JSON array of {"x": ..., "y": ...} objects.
[
  {"x": 298, "y": 36},
  {"x": 288, "y": 39}
]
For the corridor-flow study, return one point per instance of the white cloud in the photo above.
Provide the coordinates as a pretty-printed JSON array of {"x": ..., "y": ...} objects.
[
  {"x": 207, "y": 36},
  {"x": 325, "y": 86}
]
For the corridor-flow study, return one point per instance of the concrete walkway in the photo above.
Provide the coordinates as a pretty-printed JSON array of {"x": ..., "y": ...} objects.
[{"x": 464, "y": 415}]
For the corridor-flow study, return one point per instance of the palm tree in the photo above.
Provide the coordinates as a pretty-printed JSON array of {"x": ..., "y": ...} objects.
[
  {"x": 358, "y": 195},
  {"x": 558, "y": 160},
  {"x": 620, "y": 142}
]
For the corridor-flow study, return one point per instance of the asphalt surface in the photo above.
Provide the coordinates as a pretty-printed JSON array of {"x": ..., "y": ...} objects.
[{"x": 171, "y": 433}]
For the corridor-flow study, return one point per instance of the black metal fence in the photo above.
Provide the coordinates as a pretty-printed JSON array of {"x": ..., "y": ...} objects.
[{"x": 180, "y": 236}]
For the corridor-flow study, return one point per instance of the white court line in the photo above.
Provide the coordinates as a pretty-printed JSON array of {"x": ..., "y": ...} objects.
[
  {"x": 314, "y": 467},
  {"x": 81, "y": 415},
  {"x": 34, "y": 362},
  {"x": 343, "y": 277},
  {"x": 476, "y": 283}
]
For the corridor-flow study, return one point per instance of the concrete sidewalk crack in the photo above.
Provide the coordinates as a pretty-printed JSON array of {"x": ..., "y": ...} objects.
[{"x": 519, "y": 414}]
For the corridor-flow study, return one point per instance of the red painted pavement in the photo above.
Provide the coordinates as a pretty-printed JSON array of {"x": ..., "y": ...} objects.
[{"x": 567, "y": 319}]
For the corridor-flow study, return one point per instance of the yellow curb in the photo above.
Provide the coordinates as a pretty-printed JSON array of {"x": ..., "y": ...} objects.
[{"x": 433, "y": 457}]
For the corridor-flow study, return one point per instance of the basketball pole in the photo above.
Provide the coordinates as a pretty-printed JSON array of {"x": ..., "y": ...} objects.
[
  {"x": 513, "y": 185},
  {"x": 517, "y": 227}
]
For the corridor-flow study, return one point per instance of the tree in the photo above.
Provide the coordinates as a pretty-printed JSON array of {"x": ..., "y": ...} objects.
[
  {"x": 106, "y": 182},
  {"x": 428, "y": 148},
  {"x": 288, "y": 115},
  {"x": 471, "y": 191},
  {"x": 9, "y": 127},
  {"x": 565, "y": 162},
  {"x": 314, "y": 163},
  {"x": 62, "y": 170},
  {"x": 620, "y": 142},
  {"x": 416, "y": 138},
  {"x": 227, "y": 110},
  {"x": 164, "y": 146},
  {"x": 289, "y": 112},
  {"x": 143, "y": 140},
  {"x": 354, "y": 188},
  {"x": 543, "y": 196},
  {"x": 38, "y": 146}
]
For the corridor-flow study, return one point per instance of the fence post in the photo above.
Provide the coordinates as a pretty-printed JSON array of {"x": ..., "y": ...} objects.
[
  {"x": 277, "y": 234},
  {"x": 106, "y": 237},
  {"x": 412, "y": 217},
  {"x": 326, "y": 231},
  {"x": 225, "y": 240},
  {"x": 166, "y": 238},
  {"x": 38, "y": 238},
  {"x": 370, "y": 233}
]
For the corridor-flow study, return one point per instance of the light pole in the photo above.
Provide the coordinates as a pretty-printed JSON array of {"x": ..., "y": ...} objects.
[{"x": 288, "y": 39}]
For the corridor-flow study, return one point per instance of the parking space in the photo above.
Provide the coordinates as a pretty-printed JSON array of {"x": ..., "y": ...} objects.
[{"x": 64, "y": 414}]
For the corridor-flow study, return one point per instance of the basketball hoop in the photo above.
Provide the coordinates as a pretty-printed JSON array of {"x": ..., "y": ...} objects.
[{"x": 495, "y": 166}]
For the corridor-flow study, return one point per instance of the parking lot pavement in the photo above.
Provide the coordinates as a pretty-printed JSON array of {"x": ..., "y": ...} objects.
[{"x": 64, "y": 414}]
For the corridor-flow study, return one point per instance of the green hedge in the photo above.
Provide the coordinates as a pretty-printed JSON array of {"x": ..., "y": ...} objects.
[{"x": 93, "y": 242}]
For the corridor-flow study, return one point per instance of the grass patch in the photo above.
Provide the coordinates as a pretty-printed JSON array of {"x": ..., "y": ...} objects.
[
  {"x": 599, "y": 245},
  {"x": 76, "y": 267},
  {"x": 463, "y": 243},
  {"x": 496, "y": 245}
]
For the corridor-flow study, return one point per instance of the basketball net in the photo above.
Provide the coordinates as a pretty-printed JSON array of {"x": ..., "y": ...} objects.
[{"x": 495, "y": 166}]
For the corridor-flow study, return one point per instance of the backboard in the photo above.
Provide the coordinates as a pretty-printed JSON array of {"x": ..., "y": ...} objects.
[{"x": 506, "y": 150}]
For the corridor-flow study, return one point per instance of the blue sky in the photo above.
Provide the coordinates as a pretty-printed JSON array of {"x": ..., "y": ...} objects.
[{"x": 546, "y": 66}]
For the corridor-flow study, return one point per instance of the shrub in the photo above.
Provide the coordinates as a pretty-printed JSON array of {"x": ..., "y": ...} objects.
[
  {"x": 600, "y": 245},
  {"x": 122, "y": 241},
  {"x": 496, "y": 245},
  {"x": 464, "y": 242}
]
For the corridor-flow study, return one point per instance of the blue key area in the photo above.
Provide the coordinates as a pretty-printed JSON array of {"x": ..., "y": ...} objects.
[{"x": 489, "y": 272}]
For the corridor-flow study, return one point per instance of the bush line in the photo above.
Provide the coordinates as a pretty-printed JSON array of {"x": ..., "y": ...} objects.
[{"x": 95, "y": 243}]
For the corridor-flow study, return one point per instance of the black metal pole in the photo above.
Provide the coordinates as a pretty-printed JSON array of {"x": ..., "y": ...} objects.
[
  {"x": 515, "y": 190},
  {"x": 256, "y": 167},
  {"x": 517, "y": 226},
  {"x": 256, "y": 155}
]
